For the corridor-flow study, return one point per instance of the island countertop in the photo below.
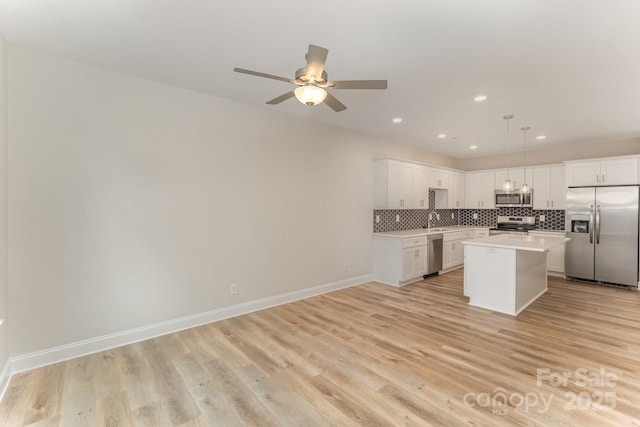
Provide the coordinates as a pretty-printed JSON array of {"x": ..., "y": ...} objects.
[{"x": 518, "y": 242}]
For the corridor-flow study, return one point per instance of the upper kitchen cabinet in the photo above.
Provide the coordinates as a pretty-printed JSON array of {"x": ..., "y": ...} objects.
[
  {"x": 549, "y": 189},
  {"x": 610, "y": 171},
  {"x": 400, "y": 185},
  {"x": 421, "y": 187},
  {"x": 438, "y": 179},
  {"x": 454, "y": 197},
  {"x": 516, "y": 175},
  {"x": 480, "y": 190}
]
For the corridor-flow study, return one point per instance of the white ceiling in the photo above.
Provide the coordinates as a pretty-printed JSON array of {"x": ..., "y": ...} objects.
[{"x": 570, "y": 69}]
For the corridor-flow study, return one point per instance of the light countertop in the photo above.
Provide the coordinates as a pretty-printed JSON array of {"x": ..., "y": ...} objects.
[
  {"x": 518, "y": 242},
  {"x": 417, "y": 232}
]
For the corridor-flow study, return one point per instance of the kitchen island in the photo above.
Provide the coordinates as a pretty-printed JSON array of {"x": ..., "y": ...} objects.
[{"x": 506, "y": 272}]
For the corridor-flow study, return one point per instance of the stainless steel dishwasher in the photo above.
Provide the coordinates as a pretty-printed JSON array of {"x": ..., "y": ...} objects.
[{"x": 434, "y": 252}]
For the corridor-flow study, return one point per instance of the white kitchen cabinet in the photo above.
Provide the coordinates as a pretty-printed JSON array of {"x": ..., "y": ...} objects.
[
  {"x": 516, "y": 175},
  {"x": 480, "y": 190},
  {"x": 420, "y": 187},
  {"x": 414, "y": 262},
  {"x": 609, "y": 171},
  {"x": 549, "y": 189},
  {"x": 438, "y": 179},
  {"x": 555, "y": 256},
  {"x": 452, "y": 250},
  {"x": 457, "y": 194},
  {"x": 401, "y": 185},
  {"x": 454, "y": 197},
  {"x": 399, "y": 261},
  {"x": 480, "y": 232}
]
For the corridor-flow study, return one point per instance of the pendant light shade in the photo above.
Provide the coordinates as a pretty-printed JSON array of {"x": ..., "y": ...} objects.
[
  {"x": 507, "y": 185},
  {"x": 525, "y": 186}
]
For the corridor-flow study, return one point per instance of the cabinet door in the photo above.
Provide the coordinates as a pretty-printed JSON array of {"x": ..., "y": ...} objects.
[
  {"x": 400, "y": 182},
  {"x": 438, "y": 179},
  {"x": 480, "y": 190},
  {"x": 583, "y": 173},
  {"x": 447, "y": 252},
  {"x": 541, "y": 188},
  {"x": 557, "y": 188},
  {"x": 456, "y": 198},
  {"x": 420, "y": 187},
  {"x": 555, "y": 259},
  {"x": 456, "y": 253},
  {"x": 619, "y": 171},
  {"x": 414, "y": 262}
]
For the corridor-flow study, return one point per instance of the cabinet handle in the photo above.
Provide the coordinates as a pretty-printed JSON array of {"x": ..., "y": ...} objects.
[
  {"x": 603, "y": 178},
  {"x": 598, "y": 178},
  {"x": 401, "y": 203},
  {"x": 552, "y": 203},
  {"x": 547, "y": 203}
]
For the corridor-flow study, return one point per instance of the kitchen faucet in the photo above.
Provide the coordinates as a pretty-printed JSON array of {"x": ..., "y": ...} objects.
[{"x": 430, "y": 219}]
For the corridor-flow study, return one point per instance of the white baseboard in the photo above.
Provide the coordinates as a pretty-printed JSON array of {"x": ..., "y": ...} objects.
[{"x": 61, "y": 353}]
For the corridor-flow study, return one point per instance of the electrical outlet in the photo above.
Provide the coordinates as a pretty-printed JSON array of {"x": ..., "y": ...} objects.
[
  {"x": 377, "y": 219},
  {"x": 397, "y": 218},
  {"x": 542, "y": 218},
  {"x": 233, "y": 288},
  {"x": 453, "y": 216},
  {"x": 475, "y": 216},
  {"x": 438, "y": 217},
  {"x": 345, "y": 267}
]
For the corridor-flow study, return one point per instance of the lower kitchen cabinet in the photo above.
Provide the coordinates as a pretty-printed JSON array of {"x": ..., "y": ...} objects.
[
  {"x": 555, "y": 256},
  {"x": 399, "y": 261},
  {"x": 452, "y": 250},
  {"x": 414, "y": 262}
]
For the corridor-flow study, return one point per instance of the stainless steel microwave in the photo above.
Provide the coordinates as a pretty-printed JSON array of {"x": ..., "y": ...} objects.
[{"x": 513, "y": 199}]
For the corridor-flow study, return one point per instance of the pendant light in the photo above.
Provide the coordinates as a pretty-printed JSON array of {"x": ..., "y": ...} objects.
[
  {"x": 525, "y": 186},
  {"x": 507, "y": 185}
]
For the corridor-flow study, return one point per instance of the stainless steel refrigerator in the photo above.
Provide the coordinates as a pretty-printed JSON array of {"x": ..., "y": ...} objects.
[{"x": 602, "y": 223}]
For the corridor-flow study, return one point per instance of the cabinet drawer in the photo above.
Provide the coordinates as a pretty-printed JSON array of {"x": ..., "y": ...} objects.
[
  {"x": 414, "y": 241},
  {"x": 481, "y": 233}
]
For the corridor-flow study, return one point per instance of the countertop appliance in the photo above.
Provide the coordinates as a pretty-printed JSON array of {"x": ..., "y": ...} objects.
[
  {"x": 513, "y": 199},
  {"x": 602, "y": 223},
  {"x": 434, "y": 253},
  {"x": 513, "y": 225}
]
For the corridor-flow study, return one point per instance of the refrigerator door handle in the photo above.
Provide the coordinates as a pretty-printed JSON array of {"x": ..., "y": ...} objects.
[
  {"x": 591, "y": 224},
  {"x": 598, "y": 224}
]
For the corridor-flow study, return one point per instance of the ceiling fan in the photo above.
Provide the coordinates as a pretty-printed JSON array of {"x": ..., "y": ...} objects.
[{"x": 312, "y": 82}]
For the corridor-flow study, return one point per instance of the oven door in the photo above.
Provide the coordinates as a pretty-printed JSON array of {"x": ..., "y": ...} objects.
[{"x": 511, "y": 199}]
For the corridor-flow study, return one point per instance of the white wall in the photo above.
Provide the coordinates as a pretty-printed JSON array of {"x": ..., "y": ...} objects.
[
  {"x": 133, "y": 202},
  {"x": 556, "y": 154},
  {"x": 4, "y": 352}
]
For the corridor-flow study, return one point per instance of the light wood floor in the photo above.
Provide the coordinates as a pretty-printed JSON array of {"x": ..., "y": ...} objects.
[{"x": 370, "y": 355}]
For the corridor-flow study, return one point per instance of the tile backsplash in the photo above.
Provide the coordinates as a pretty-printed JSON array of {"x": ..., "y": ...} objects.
[
  {"x": 414, "y": 218},
  {"x": 418, "y": 218},
  {"x": 554, "y": 220}
]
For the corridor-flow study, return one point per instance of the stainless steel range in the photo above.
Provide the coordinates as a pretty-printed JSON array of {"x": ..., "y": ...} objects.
[{"x": 514, "y": 225}]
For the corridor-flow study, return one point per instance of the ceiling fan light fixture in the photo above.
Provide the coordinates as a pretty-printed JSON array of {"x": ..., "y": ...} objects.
[{"x": 310, "y": 94}]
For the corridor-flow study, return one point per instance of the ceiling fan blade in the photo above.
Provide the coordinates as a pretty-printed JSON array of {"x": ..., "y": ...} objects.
[
  {"x": 256, "y": 73},
  {"x": 316, "y": 57},
  {"x": 281, "y": 98},
  {"x": 359, "y": 84},
  {"x": 333, "y": 102}
]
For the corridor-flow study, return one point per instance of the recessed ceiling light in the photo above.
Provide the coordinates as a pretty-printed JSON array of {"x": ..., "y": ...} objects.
[
  {"x": 397, "y": 120},
  {"x": 480, "y": 98},
  {"x": 473, "y": 147},
  {"x": 541, "y": 137},
  {"x": 442, "y": 135}
]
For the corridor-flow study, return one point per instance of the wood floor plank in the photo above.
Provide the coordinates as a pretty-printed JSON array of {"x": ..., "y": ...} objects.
[{"x": 366, "y": 355}]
